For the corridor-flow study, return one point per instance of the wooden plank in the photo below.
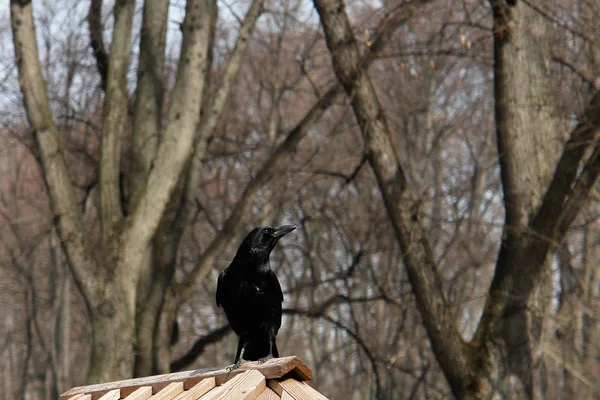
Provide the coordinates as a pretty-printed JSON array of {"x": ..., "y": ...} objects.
[
  {"x": 278, "y": 367},
  {"x": 134, "y": 384},
  {"x": 312, "y": 392},
  {"x": 286, "y": 396},
  {"x": 169, "y": 392},
  {"x": 268, "y": 394},
  {"x": 197, "y": 391},
  {"x": 76, "y": 397},
  {"x": 271, "y": 369},
  {"x": 98, "y": 395},
  {"x": 114, "y": 394},
  {"x": 297, "y": 390},
  {"x": 190, "y": 383},
  {"x": 278, "y": 389},
  {"x": 245, "y": 386},
  {"x": 274, "y": 368},
  {"x": 142, "y": 393}
]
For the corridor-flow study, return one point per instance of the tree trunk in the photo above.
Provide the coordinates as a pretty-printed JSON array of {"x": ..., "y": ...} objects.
[
  {"x": 529, "y": 142},
  {"x": 539, "y": 206},
  {"x": 113, "y": 336},
  {"x": 62, "y": 343},
  {"x": 147, "y": 125}
]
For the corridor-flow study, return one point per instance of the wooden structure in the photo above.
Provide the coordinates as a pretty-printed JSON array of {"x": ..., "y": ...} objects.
[{"x": 277, "y": 378}]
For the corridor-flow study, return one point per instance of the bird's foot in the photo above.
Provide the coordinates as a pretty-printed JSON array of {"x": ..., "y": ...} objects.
[
  {"x": 262, "y": 360},
  {"x": 235, "y": 365}
]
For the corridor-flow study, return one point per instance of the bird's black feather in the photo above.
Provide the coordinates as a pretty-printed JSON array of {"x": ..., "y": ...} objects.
[{"x": 251, "y": 295}]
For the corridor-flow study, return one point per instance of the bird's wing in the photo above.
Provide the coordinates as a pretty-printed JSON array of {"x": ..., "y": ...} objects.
[
  {"x": 274, "y": 286},
  {"x": 220, "y": 287},
  {"x": 276, "y": 294}
]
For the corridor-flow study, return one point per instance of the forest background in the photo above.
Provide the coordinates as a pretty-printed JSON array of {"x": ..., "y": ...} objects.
[{"x": 439, "y": 157}]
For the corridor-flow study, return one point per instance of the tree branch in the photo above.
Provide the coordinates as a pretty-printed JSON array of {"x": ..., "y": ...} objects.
[
  {"x": 354, "y": 335},
  {"x": 402, "y": 207},
  {"x": 199, "y": 346},
  {"x": 67, "y": 214},
  {"x": 585, "y": 75},
  {"x": 176, "y": 146},
  {"x": 564, "y": 199},
  {"x": 213, "y": 114},
  {"x": 149, "y": 94},
  {"x": 271, "y": 168},
  {"x": 96, "y": 40},
  {"x": 280, "y": 155},
  {"x": 113, "y": 118}
]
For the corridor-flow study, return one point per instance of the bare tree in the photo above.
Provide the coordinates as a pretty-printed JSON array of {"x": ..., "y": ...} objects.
[
  {"x": 108, "y": 272},
  {"x": 275, "y": 141},
  {"x": 542, "y": 196}
]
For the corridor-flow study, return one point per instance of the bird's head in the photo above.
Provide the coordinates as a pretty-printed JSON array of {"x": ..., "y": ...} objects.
[{"x": 259, "y": 243}]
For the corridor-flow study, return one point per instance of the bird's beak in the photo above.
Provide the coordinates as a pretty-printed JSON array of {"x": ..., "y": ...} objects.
[{"x": 284, "y": 230}]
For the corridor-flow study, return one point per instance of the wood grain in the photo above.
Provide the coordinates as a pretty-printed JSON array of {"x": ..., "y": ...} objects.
[
  {"x": 297, "y": 390},
  {"x": 271, "y": 369},
  {"x": 169, "y": 392},
  {"x": 141, "y": 393},
  {"x": 114, "y": 394},
  {"x": 268, "y": 394},
  {"x": 246, "y": 386},
  {"x": 275, "y": 368},
  {"x": 197, "y": 391}
]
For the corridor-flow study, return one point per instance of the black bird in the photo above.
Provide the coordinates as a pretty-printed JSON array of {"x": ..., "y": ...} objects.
[{"x": 250, "y": 294}]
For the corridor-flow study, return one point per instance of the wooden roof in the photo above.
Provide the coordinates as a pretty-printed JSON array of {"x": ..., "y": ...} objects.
[{"x": 278, "y": 378}]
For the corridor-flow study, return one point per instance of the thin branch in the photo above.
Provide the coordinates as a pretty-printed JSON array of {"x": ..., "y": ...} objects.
[
  {"x": 214, "y": 112},
  {"x": 566, "y": 187},
  {"x": 355, "y": 336},
  {"x": 584, "y": 75},
  {"x": 199, "y": 346},
  {"x": 96, "y": 40},
  {"x": 402, "y": 207},
  {"x": 279, "y": 157}
]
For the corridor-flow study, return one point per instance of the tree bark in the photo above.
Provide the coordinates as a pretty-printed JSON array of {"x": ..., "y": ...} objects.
[
  {"x": 147, "y": 124},
  {"x": 173, "y": 153},
  {"x": 527, "y": 160},
  {"x": 67, "y": 214},
  {"x": 149, "y": 94},
  {"x": 113, "y": 120}
]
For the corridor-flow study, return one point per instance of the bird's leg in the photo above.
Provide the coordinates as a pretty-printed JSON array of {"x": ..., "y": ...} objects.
[
  {"x": 270, "y": 354},
  {"x": 239, "y": 357}
]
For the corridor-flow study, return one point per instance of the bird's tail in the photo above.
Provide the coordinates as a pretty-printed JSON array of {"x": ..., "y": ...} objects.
[{"x": 258, "y": 348}]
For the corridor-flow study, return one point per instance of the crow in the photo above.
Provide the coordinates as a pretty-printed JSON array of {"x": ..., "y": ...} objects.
[{"x": 251, "y": 296}]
